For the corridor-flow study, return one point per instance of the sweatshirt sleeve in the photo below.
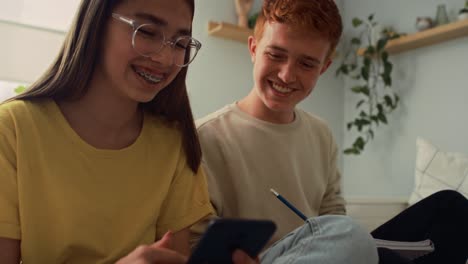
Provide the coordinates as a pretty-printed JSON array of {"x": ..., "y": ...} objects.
[{"x": 333, "y": 202}]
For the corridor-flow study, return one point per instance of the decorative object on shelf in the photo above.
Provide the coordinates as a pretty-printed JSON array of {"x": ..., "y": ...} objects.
[
  {"x": 372, "y": 73},
  {"x": 463, "y": 14},
  {"x": 441, "y": 15},
  {"x": 242, "y": 9},
  {"x": 390, "y": 33},
  {"x": 253, "y": 20},
  {"x": 229, "y": 31},
  {"x": 423, "y": 23},
  {"x": 447, "y": 32}
]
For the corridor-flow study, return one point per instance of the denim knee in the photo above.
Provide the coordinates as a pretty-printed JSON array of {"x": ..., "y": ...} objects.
[
  {"x": 352, "y": 240},
  {"x": 325, "y": 239}
]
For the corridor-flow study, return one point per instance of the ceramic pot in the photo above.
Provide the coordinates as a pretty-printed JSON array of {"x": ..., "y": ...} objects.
[
  {"x": 463, "y": 15},
  {"x": 423, "y": 23}
]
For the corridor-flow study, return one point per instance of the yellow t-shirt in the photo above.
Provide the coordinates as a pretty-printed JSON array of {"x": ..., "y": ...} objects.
[{"x": 69, "y": 202}]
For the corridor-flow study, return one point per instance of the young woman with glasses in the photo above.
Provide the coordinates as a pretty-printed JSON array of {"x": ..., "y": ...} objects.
[{"x": 100, "y": 157}]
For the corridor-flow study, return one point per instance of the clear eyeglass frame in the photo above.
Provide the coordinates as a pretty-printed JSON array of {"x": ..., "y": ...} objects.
[{"x": 193, "y": 46}]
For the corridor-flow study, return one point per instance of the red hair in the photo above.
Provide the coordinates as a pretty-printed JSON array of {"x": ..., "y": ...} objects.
[{"x": 321, "y": 16}]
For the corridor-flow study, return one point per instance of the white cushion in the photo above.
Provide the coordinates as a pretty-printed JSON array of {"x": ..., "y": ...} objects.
[{"x": 437, "y": 170}]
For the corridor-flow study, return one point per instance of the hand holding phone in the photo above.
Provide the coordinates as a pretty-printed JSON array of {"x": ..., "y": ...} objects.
[{"x": 224, "y": 236}]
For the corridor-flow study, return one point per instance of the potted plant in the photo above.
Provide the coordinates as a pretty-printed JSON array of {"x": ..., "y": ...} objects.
[
  {"x": 463, "y": 14},
  {"x": 371, "y": 73}
]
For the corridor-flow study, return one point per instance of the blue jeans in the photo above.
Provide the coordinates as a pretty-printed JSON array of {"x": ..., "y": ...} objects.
[{"x": 329, "y": 239}]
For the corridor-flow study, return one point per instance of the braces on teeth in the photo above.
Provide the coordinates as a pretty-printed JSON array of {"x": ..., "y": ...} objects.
[{"x": 149, "y": 77}]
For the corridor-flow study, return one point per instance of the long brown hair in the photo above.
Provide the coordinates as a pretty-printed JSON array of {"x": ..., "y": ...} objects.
[{"x": 69, "y": 75}]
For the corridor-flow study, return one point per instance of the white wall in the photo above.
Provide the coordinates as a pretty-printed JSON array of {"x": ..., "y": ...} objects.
[
  {"x": 52, "y": 14},
  {"x": 26, "y": 52},
  {"x": 432, "y": 83},
  {"x": 32, "y": 32}
]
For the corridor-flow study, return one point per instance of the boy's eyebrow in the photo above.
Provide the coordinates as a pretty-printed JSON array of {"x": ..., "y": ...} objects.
[
  {"x": 307, "y": 57},
  {"x": 160, "y": 22}
]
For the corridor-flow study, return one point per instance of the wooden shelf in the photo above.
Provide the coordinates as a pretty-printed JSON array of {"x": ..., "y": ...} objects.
[
  {"x": 426, "y": 38},
  {"x": 229, "y": 31}
]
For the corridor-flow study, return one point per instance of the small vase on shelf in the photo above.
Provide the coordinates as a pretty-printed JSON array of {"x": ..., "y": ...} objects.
[
  {"x": 463, "y": 14},
  {"x": 441, "y": 16}
]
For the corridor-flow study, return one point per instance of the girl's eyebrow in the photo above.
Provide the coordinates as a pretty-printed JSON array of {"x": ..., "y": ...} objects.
[{"x": 160, "y": 22}]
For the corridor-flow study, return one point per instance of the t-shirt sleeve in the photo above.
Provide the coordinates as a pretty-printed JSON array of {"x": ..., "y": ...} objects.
[
  {"x": 187, "y": 201},
  {"x": 9, "y": 213}
]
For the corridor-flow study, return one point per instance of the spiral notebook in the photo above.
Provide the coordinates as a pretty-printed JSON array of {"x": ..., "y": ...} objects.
[{"x": 410, "y": 250}]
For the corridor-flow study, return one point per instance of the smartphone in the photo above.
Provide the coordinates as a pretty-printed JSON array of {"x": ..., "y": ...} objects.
[{"x": 223, "y": 236}]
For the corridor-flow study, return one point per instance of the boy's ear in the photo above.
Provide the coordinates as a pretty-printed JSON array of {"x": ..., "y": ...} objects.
[
  {"x": 252, "y": 42},
  {"x": 326, "y": 65}
]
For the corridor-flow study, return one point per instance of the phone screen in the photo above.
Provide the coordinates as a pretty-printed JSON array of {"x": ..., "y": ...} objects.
[{"x": 223, "y": 236}]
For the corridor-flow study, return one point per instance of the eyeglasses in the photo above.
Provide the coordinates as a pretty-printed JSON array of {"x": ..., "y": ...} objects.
[{"x": 148, "y": 39}]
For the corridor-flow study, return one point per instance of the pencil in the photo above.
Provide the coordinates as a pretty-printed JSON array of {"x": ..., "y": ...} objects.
[{"x": 289, "y": 205}]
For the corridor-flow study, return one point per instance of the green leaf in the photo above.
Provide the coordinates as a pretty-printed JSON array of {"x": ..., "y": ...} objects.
[
  {"x": 360, "y": 123},
  {"x": 371, "y": 133},
  {"x": 360, "y": 103},
  {"x": 351, "y": 151},
  {"x": 388, "y": 101},
  {"x": 355, "y": 41},
  {"x": 365, "y": 90},
  {"x": 370, "y": 17},
  {"x": 382, "y": 118},
  {"x": 20, "y": 89},
  {"x": 384, "y": 56},
  {"x": 367, "y": 61},
  {"x": 360, "y": 89},
  {"x": 349, "y": 125},
  {"x": 363, "y": 114},
  {"x": 375, "y": 119},
  {"x": 380, "y": 108},
  {"x": 365, "y": 73},
  {"x": 395, "y": 103},
  {"x": 359, "y": 143},
  {"x": 370, "y": 50},
  {"x": 356, "y": 89},
  {"x": 387, "y": 79},
  {"x": 344, "y": 69},
  {"x": 357, "y": 22},
  {"x": 381, "y": 44},
  {"x": 388, "y": 67}
]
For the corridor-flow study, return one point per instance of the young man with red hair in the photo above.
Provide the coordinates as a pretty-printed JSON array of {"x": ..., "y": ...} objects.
[{"x": 264, "y": 141}]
